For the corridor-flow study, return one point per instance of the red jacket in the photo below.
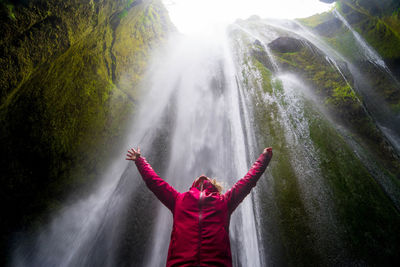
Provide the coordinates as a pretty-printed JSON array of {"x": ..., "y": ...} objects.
[{"x": 200, "y": 232}]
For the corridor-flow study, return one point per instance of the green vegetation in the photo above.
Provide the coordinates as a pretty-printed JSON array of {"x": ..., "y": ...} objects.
[
  {"x": 339, "y": 97},
  {"x": 266, "y": 76},
  {"x": 316, "y": 19},
  {"x": 378, "y": 22},
  {"x": 292, "y": 221},
  {"x": 66, "y": 98},
  {"x": 11, "y": 14},
  {"x": 367, "y": 218},
  {"x": 345, "y": 44},
  {"x": 381, "y": 36},
  {"x": 328, "y": 82}
]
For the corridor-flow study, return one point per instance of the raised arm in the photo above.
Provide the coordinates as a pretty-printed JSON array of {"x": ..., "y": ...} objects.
[
  {"x": 242, "y": 188},
  {"x": 163, "y": 191}
]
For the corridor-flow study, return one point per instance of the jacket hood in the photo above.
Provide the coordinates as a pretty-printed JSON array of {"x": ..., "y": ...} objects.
[{"x": 207, "y": 185}]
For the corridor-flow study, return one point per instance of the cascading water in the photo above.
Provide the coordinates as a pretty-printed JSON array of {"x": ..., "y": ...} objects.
[
  {"x": 368, "y": 51},
  {"x": 387, "y": 120},
  {"x": 203, "y": 104},
  {"x": 291, "y": 104},
  {"x": 207, "y": 137},
  {"x": 193, "y": 102}
]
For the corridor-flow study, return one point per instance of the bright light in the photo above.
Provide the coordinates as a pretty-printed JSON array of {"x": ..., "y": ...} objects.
[{"x": 199, "y": 15}]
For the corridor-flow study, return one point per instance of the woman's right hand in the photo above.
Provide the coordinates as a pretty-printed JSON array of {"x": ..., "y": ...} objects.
[
  {"x": 133, "y": 154},
  {"x": 268, "y": 151}
]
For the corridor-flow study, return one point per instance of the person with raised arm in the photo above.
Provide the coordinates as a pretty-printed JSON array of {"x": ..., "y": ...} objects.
[{"x": 201, "y": 216}]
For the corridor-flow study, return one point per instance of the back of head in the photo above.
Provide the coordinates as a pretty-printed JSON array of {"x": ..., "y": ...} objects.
[
  {"x": 212, "y": 182},
  {"x": 217, "y": 185}
]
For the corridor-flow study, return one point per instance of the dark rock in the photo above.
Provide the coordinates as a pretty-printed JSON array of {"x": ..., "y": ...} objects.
[
  {"x": 286, "y": 45},
  {"x": 62, "y": 97},
  {"x": 345, "y": 8},
  {"x": 329, "y": 28},
  {"x": 259, "y": 53},
  {"x": 257, "y": 43},
  {"x": 356, "y": 17},
  {"x": 327, "y": 1}
]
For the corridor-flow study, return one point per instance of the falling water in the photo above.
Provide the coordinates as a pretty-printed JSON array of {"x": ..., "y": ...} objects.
[
  {"x": 208, "y": 137},
  {"x": 267, "y": 30},
  {"x": 193, "y": 101},
  {"x": 291, "y": 105},
  {"x": 388, "y": 120},
  {"x": 368, "y": 51},
  {"x": 196, "y": 116}
]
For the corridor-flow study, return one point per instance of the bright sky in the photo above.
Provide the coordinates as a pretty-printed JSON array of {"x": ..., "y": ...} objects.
[{"x": 197, "y": 15}]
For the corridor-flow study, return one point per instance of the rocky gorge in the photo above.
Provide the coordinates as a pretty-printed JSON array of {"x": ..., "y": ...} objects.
[{"x": 79, "y": 83}]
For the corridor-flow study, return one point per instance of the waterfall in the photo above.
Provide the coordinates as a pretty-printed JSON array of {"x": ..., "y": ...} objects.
[
  {"x": 202, "y": 105},
  {"x": 208, "y": 137},
  {"x": 193, "y": 100},
  {"x": 367, "y": 50}
]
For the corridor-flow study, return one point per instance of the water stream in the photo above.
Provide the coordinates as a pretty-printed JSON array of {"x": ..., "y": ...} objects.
[{"x": 196, "y": 116}]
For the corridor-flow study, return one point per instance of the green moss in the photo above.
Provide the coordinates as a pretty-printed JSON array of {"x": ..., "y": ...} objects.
[
  {"x": 381, "y": 32},
  {"x": 345, "y": 44},
  {"x": 292, "y": 220},
  {"x": 266, "y": 76},
  {"x": 364, "y": 217},
  {"x": 382, "y": 37},
  {"x": 328, "y": 82},
  {"x": 316, "y": 19},
  {"x": 369, "y": 218},
  {"x": 62, "y": 121},
  {"x": 377, "y": 24},
  {"x": 123, "y": 14},
  {"x": 342, "y": 94},
  {"x": 278, "y": 86},
  {"x": 364, "y": 211},
  {"x": 294, "y": 233},
  {"x": 342, "y": 101},
  {"x": 11, "y": 14}
]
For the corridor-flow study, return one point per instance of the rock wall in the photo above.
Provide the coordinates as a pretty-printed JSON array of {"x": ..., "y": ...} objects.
[
  {"x": 69, "y": 79},
  {"x": 332, "y": 197}
]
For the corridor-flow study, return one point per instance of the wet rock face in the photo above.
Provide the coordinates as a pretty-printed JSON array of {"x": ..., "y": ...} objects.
[
  {"x": 68, "y": 81},
  {"x": 329, "y": 28},
  {"x": 259, "y": 53},
  {"x": 286, "y": 45}
]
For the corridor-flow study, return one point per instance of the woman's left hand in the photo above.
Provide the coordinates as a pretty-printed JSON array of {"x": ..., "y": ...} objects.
[{"x": 133, "y": 154}]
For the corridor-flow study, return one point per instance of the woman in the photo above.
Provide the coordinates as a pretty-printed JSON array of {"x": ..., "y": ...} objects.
[{"x": 200, "y": 232}]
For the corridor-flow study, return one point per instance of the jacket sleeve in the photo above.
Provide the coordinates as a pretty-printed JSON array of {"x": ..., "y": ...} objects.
[
  {"x": 242, "y": 188},
  {"x": 163, "y": 191}
]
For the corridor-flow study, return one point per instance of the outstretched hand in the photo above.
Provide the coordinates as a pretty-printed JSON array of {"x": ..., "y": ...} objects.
[
  {"x": 268, "y": 151},
  {"x": 133, "y": 154}
]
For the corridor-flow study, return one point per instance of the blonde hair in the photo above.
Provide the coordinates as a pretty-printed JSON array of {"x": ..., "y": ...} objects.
[{"x": 217, "y": 185}]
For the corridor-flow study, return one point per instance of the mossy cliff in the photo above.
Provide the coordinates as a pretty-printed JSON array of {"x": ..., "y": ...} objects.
[
  {"x": 335, "y": 89},
  {"x": 328, "y": 199},
  {"x": 378, "y": 22},
  {"x": 69, "y": 79}
]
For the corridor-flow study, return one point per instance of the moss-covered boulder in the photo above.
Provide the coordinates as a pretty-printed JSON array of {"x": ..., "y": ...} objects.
[
  {"x": 286, "y": 45},
  {"x": 259, "y": 53}
]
